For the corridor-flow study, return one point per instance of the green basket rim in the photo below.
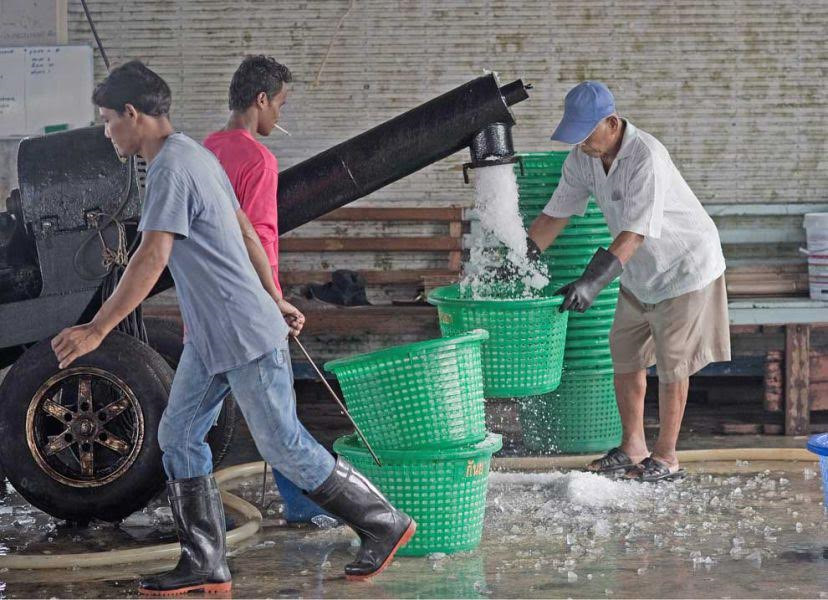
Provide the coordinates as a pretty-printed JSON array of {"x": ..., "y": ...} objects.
[
  {"x": 601, "y": 303},
  {"x": 563, "y": 251},
  {"x": 403, "y": 351},
  {"x": 602, "y": 362},
  {"x": 580, "y": 333},
  {"x": 351, "y": 444},
  {"x": 441, "y": 295},
  {"x": 598, "y": 312},
  {"x": 596, "y": 372},
  {"x": 586, "y": 354},
  {"x": 575, "y": 241},
  {"x": 566, "y": 261},
  {"x": 592, "y": 324}
]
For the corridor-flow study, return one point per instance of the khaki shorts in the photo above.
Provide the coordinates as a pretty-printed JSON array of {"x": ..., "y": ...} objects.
[{"x": 679, "y": 335}]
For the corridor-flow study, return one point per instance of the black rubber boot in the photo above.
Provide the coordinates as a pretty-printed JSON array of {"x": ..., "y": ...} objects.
[
  {"x": 199, "y": 518},
  {"x": 383, "y": 529}
]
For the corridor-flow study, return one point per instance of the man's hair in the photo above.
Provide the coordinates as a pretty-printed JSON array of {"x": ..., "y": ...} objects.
[
  {"x": 134, "y": 83},
  {"x": 257, "y": 74}
]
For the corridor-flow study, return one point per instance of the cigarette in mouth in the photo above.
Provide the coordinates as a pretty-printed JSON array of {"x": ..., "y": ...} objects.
[{"x": 282, "y": 129}]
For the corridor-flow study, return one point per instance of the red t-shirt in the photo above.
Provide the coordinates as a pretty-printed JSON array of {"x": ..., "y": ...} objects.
[{"x": 254, "y": 174}]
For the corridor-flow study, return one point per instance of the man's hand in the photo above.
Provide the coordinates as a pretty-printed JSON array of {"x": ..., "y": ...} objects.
[
  {"x": 74, "y": 342},
  {"x": 581, "y": 293},
  {"x": 143, "y": 270},
  {"x": 293, "y": 317}
]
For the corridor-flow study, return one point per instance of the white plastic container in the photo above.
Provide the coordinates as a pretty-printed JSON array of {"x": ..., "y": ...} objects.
[{"x": 816, "y": 231}]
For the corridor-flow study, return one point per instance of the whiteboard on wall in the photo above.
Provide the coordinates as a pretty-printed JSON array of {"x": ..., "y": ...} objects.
[{"x": 45, "y": 86}]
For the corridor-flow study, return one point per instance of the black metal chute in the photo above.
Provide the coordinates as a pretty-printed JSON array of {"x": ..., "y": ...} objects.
[{"x": 399, "y": 147}]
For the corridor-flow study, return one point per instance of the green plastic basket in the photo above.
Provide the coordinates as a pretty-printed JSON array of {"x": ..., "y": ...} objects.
[
  {"x": 524, "y": 352},
  {"x": 561, "y": 276},
  {"x": 580, "y": 260},
  {"x": 583, "y": 243},
  {"x": 585, "y": 319},
  {"x": 587, "y": 229},
  {"x": 588, "y": 331},
  {"x": 587, "y": 366},
  {"x": 422, "y": 395},
  {"x": 527, "y": 188},
  {"x": 444, "y": 491},
  {"x": 580, "y": 416},
  {"x": 551, "y": 161},
  {"x": 600, "y": 342},
  {"x": 586, "y": 353}
]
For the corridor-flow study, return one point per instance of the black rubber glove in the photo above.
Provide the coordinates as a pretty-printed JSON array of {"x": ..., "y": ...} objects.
[
  {"x": 533, "y": 251},
  {"x": 581, "y": 293},
  {"x": 508, "y": 271}
]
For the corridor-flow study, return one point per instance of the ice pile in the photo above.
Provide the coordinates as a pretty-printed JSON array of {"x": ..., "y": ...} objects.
[{"x": 580, "y": 520}]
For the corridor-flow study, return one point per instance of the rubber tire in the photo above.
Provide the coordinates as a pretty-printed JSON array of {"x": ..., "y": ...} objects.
[
  {"x": 147, "y": 375},
  {"x": 166, "y": 337}
]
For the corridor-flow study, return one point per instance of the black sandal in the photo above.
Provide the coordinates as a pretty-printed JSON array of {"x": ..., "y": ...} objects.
[
  {"x": 612, "y": 462},
  {"x": 651, "y": 470}
]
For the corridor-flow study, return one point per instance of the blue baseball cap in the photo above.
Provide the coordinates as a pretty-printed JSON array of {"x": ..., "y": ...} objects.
[{"x": 585, "y": 106}]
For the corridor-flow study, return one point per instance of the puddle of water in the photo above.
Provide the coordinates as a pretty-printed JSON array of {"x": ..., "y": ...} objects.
[{"x": 757, "y": 532}]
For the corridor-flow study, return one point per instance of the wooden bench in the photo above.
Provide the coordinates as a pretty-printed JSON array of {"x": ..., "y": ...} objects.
[
  {"x": 447, "y": 244},
  {"x": 761, "y": 243},
  {"x": 772, "y": 319}
]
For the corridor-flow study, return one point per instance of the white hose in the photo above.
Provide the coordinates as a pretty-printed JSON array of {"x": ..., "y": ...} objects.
[
  {"x": 158, "y": 552},
  {"x": 547, "y": 463}
]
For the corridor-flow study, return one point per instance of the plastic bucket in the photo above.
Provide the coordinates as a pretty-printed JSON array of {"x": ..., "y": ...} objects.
[
  {"x": 422, "y": 395},
  {"x": 444, "y": 491},
  {"x": 816, "y": 231},
  {"x": 818, "y": 444}
]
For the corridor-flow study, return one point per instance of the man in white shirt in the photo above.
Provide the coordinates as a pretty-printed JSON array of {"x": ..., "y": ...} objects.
[{"x": 672, "y": 307}]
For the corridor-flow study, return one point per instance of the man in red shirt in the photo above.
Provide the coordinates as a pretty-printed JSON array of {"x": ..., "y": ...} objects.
[{"x": 258, "y": 91}]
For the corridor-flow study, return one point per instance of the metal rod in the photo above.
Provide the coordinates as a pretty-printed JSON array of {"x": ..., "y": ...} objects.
[
  {"x": 95, "y": 33},
  {"x": 338, "y": 401},
  {"x": 264, "y": 482}
]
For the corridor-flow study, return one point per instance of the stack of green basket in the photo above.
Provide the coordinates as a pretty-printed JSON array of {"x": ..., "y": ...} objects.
[
  {"x": 421, "y": 406},
  {"x": 581, "y": 415}
]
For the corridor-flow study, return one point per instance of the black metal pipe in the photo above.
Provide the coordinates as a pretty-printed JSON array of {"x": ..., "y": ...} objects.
[
  {"x": 394, "y": 149},
  {"x": 494, "y": 140}
]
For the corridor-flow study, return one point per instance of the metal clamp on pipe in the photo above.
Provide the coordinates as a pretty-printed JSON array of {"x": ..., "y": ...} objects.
[{"x": 492, "y": 146}]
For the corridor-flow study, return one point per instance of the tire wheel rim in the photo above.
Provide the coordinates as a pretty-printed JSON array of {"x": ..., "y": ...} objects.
[{"x": 84, "y": 427}]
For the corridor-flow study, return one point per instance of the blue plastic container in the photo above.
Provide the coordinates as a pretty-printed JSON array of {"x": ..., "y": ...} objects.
[{"x": 818, "y": 444}]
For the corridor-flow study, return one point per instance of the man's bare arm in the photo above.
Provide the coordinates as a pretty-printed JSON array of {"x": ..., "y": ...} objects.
[
  {"x": 141, "y": 274},
  {"x": 293, "y": 317},
  {"x": 257, "y": 255},
  {"x": 545, "y": 229},
  {"x": 626, "y": 245}
]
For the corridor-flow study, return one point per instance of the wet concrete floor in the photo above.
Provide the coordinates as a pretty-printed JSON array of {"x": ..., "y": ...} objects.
[{"x": 727, "y": 530}]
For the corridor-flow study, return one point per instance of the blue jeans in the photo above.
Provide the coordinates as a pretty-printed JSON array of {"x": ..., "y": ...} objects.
[{"x": 263, "y": 389}]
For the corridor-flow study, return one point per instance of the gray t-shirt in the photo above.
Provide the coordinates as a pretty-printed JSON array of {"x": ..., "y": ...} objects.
[{"x": 228, "y": 315}]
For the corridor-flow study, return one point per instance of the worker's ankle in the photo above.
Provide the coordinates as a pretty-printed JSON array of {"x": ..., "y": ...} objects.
[
  {"x": 668, "y": 458},
  {"x": 635, "y": 449}
]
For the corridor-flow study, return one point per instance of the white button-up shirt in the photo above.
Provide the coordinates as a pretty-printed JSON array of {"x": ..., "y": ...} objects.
[{"x": 644, "y": 193}]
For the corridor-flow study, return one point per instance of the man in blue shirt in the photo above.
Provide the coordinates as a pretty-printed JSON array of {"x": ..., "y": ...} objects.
[{"x": 236, "y": 324}]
